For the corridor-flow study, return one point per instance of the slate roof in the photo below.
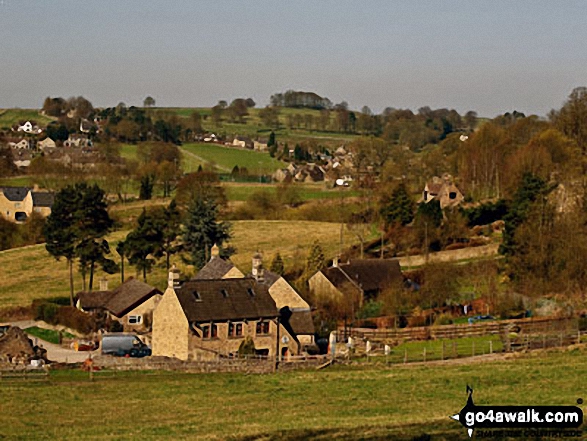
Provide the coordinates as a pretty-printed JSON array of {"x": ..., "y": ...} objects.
[
  {"x": 269, "y": 278},
  {"x": 302, "y": 323},
  {"x": 368, "y": 274},
  {"x": 204, "y": 300},
  {"x": 15, "y": 194},
  {"x": 43, "y": 199},
  {"x": 121, "y": 300},
  {"x": 216, "y": 268}
]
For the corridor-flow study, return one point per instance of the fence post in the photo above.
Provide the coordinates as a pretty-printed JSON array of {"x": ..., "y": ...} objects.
[
  {"x": 578, "y": 337},
  {"x": 543, "y": 341},
  {"x": 405, "y": 355},
  {"x": 424, "y": 354},
  {"x": 473, "y": 353},
  {"x": 491, "y": 346},
  {"x": 561, "y": 339},
  {"x": 442, "y": 353},
  {"x": 455, "y": 351}
]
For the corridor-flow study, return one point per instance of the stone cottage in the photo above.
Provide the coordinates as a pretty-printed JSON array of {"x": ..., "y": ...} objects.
[{"x": 207, "y": 319}]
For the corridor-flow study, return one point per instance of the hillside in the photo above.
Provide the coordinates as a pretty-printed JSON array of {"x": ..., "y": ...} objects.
[
  {"x": 9, "y": 117},
  {"x": 35, "y": 274}
]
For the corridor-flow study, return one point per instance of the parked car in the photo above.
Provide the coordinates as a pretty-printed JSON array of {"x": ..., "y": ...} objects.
[{"x": 124, "y": 345}]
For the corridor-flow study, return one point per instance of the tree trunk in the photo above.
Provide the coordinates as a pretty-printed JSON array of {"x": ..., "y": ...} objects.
[
  {"x": 91, "y": 275},
  {"x": 71, "y": 282},
  {"x": 145, "y": 274}
]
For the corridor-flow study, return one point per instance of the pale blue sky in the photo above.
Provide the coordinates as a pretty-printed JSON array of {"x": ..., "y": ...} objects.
[{"x": 490, "y": 56}]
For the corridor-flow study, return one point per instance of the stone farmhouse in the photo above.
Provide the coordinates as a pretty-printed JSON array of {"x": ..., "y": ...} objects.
[
  {"x": 131, "y": 304},
  {"x": 283, "y": 294},
  {"x": 360, "y": 279},
  {"x": 18, "y": 203},
  {"x": 206, "y": 319},
  {"x": 46, "y": 143},
  {"x": 444, "y": 190}
]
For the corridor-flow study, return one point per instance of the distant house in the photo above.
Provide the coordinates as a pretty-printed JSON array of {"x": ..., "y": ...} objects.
[
  {"x": 28, "y": 127},
  {"x": 282, "y": 175},
  {"x": 21, "y": 157},
  {"x": 79, "y": 141},
  {"x": 207, "y": 319},
  {"x": 260, "y": 145},
  {"x": 85, "y": 126},
  {"x": 18, "y": 203},
  {"x": 243, "y": 142},
  {"x": 362, "y": 278},
  {"x": 46, "y": 143},
  {"x": 443, "y": 190},
  {"x": 22, "y": 144},
  {"x": 132, "y": 304}
]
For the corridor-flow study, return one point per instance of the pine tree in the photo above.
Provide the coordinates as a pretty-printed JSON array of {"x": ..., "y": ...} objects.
[
  {"x": 170, "y": 224},
  {"x": 277, "y": 265},
  {"x": 76, "y": 226},
  {"x": 397, "y": 207},
  {"x": 202, "y": 230},
  {"x": 143, "y": 245}
]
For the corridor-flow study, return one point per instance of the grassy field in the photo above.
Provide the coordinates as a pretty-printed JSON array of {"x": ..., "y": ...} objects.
[
  {"x": 307, "y": 192},
  {"x": 225, "y": 158},
  {"x": 17, "y": 181},
  {"x": 35, "y": 274},
  {"x": 49, "y": 335},
  {"x": 9, "y": 117},
  {"x": 344, "y": 403}
]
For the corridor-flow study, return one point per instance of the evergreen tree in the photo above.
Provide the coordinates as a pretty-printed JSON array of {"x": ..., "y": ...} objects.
[
  {"x": 202, "y": 230},
  {"x": 143, "y": 245},
  {"x": 315, "y": 260},
  {"x": 397, "y": 207},
  {"x": 146, "y": 190},
  {"x": 271, "y": 141},
  {"x": 532, "y": 189},
  {"x": 170, "y": 224},
  {"x": 76, "y": 226},
  {"x": 277, "y": 265}
]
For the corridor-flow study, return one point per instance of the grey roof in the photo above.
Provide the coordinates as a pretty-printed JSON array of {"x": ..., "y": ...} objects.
[
  {"x": 368, "y": 274},
  {"x": 121, "y": 300},
  {"x": 226, "y": 299},
  {"x": 269, "y": 278},
  {"x": 302, "y": 323},
  {"x": 216, "y": 268},
  {"x": 43, "y": 199},
  {"x": 15, "y": 194}
]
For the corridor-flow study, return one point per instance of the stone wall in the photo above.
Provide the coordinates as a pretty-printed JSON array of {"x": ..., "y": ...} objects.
[{"x": 170, "y": 328}]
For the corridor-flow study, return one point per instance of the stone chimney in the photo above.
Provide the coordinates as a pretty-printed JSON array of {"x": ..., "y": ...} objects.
[
  {"x": 214, "y": 252},
  {"x": 103, "y": 284},
  {"x": 258, "y": 267},
  {"x": 173, "y": 279}
]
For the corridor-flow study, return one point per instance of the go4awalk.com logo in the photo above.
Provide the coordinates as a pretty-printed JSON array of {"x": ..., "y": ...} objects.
[{"x": 519, "y": 420}]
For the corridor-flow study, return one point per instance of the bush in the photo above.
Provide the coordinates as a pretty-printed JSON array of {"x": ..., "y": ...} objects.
[
  {"x": 443, "y": 319},
  {"x": 115, "y": 326},
  {"x": 247, "y": 347},
  {"x": 46, "y": 312},
  {"x": 73, "y": 318}
]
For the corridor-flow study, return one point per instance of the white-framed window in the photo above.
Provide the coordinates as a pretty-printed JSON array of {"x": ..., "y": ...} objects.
[{"x": 135, "y": 319}]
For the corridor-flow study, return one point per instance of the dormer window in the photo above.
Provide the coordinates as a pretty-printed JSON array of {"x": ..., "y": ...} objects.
[
  {"x": 224, "y": 293},
  {"x": 197, "y": 296},
  {"x": 251, "y": 292}
]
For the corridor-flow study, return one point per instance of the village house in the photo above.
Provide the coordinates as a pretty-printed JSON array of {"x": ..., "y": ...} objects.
[
  {"x": 18, "y": 203},
  {"x": 131, "y": 304},
  {"x": 46, "y": 143},
  {"x": 444, "y": 190},
  {"x": 22, "y": 144},
  {"x": 360, "y": 279},
  {"x": 260, "y": 145},
  {"x": 21, "y": 157},
  {"x": 78, "y": 141},
  {"x": 243, "y": 142},
  {"x": 207, "y": 319},
  {"x": 283, "y": 294},
  {"x": 27, "y": 127}
]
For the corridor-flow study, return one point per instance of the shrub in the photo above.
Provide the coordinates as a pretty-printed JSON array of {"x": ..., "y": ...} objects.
[
  {"x": 247, "y": 347},
  {"x": 73, "y": 318},
  {"x": 115, "y": 326},
  {"x": 443, "y": 319}
]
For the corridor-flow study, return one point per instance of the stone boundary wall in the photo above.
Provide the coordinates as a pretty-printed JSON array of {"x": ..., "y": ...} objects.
[
  {"x": 450, "y": 256},
  {"x": 248, "y": 366}
]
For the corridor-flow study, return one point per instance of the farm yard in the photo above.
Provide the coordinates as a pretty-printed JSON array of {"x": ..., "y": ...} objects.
[{"x": 343, "y": 402}]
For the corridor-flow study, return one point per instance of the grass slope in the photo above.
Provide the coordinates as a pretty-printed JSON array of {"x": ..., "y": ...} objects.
[
  {"x": 30, "y": 272},
  {"x": 225, "y": 158},
  {"x": 356, "y": 403},
  {"x": 9, "y": 117}
]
